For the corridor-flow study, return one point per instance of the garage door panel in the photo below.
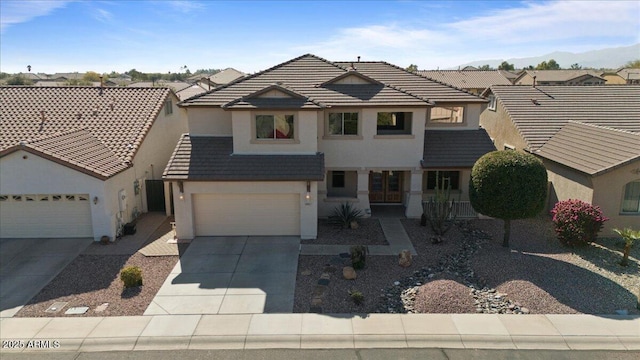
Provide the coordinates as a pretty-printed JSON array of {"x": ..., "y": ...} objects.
[
  {"x": 45, "y": 219},
  {"x": 246, "y": 214}
]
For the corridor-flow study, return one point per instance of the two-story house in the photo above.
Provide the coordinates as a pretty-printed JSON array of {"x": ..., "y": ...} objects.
[{"x": 270, "y": 153}]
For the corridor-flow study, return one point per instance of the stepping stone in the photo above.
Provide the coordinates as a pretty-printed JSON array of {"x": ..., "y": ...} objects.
[
  {"x": 57, "y": 306},
  {"x": 101, "y": 308},
  {"x": 336, "y": 261},
  {"x": 316, "y": 301},
  {"x": 316, "y": 310},
  {"x": 319, "y": 290},
  {"x": 306, "y": 273},
  {"x": 78, "y": 310},
  {"x": 345, "y": 255},
  {"x": 323, "y": 282},
  {"x": 325, "y": 276}
]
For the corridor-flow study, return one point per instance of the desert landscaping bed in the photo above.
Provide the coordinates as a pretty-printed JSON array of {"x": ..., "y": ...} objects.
[
  {"x": 369, "y": 232},
  {"x": 93, "y": 280},
  {"x": 470, "y": 272}
]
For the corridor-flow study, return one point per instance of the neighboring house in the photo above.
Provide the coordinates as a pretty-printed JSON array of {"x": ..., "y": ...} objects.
[
  {"x": 83, "y": 161},
  {"x": 587, "y": 136},
  {"x": 474, "y": 81},
  {"x": 626, "y": 76},
  {"x": 559, "y": 77},
  {"x": 270, "y": 153},
  {"x": 223, "y": 77},
  {"x": 190, "y": 91}
]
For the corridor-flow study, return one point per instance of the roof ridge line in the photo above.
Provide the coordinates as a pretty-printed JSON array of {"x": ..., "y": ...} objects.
[{"x": 602, "y": 127}]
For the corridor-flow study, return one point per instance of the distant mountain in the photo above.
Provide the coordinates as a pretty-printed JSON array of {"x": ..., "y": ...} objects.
[{"x": 610, "y": 58}]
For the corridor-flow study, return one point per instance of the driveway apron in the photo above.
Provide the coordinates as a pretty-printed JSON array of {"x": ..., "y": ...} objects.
[
  {"x": 28, "y": 265},
  {"x": 231, "y": 275}
]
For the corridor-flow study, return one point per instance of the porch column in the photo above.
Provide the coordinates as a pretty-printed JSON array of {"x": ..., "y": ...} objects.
[
  {"x": 183, "y": 212},
  {"x": 167, "y": 197},
  {"x": 414, "y": 204},
  {"x": 363, "y": 192}
]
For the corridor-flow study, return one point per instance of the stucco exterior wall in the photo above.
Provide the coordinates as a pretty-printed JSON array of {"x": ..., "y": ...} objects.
[
  {"x": 25, "y": 173},
  {"x": 210, "y": 121},
  {"x": 184, "y": 215},
  {"x": 567, "y": 184},
  {"x": 305, "y": 134},
  {"x": 471, "y": 118},
  {"x": 608, "y": 194},
  {"x": 501, "y": 129}
]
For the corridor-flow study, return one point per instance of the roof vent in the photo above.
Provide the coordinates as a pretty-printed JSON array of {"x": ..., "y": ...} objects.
[
  {"x": 534, "y": 81},
  {"x": 43, "y": 116},
  {"x": 79, "y": 115},
  {"x": 535, "y": 102},
  {"x": 358, "y": 58},
  {"x": 95, "y": 111}
]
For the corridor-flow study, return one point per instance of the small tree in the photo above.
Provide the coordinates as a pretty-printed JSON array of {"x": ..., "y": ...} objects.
[
  {"x": 629, "y": 235},
  {"x": 412, "y": 68},
  {"x": 508, "y": 185},
  {"x": 506, "y": 66}
]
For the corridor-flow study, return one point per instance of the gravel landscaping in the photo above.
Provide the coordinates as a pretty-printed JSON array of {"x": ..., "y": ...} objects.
[
  {"x": 472, "y": 273},
  {"x": 369, "y": 232},
  {"x": 93, "y": 280}
]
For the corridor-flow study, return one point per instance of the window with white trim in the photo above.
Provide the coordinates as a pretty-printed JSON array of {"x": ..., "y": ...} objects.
[
  {"x": 343, "y": 123},
  {"x": 631, "y": 198},
  {"x": 492, "y": 102}
]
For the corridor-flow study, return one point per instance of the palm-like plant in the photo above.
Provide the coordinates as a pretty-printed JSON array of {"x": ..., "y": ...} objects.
[{"x": 629, "y": 235}]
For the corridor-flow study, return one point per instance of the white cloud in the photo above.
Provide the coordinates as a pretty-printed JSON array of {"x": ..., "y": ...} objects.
[
  {"x": 16, "y": 12},
  {"x": 102, "y": 15},
  {"x": 186, "y": 6},
  {"x": 527, "y": 30}
]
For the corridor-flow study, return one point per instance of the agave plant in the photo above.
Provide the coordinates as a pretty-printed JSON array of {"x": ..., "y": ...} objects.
[
  {"x": 344, "y": 214},
  {"x": 629, "y": 235}
]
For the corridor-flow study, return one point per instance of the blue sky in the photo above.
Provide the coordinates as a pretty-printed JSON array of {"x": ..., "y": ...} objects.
[{"x": 162, "y": 36}]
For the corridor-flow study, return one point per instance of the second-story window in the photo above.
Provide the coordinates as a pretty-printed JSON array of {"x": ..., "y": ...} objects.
[
  {"x": 343, "y": 123},
  {"x": 394, "y": 123},
  {"x": 447, "y": 115},
  {"x": 168, "y": 107},
  {"x": 274, "y": 127}
]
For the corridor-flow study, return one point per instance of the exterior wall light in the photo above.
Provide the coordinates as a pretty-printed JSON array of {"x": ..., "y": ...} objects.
[
  {"x": 95, "y": 200},
  {"x": 307, "y": 196},
  {"x": 181, "y": 188}
]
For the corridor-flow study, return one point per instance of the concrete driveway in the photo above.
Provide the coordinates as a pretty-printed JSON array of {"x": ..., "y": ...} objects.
[
  {"x": 231, "y": 275},
  {"x": 28, "y": 265}
]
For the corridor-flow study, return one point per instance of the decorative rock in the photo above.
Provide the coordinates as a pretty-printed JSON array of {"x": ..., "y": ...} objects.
[
  {"x": 315, "y": 310},
  {"x": 405, "y": 258},
  {"x": 323, "y": 282},
  {"x": 101, "y": 308},
  {"x": 524, "y": 310},
  {"x": 306, "y": 272},
  {"x": 316, "y": 301},
  {"x": 349, "y": 273},
  {"x": 325, "y": 276},
  {"x": 345, "y": 255},
  {"x": 622, "y": 312},
  {"x": 396, "y": 283},
  {"x": 354, "y": 225}
]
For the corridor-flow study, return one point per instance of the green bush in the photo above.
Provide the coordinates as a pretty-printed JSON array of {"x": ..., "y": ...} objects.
[
  {"x": 131, "y": 276},
  {"x": 358, "y": 256},
  {"x": 577, "y": 223},
  {"x": 508, "y": 185},
  {"x": 356, "y": 296},
  {"x": 344, "y": 214}
]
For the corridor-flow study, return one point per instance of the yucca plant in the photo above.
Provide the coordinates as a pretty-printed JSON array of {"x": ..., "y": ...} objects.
[
  {"x": 440, "y": 210},
  {"x": 344, "y": 214},
  {"x": 629, "y": 235}
]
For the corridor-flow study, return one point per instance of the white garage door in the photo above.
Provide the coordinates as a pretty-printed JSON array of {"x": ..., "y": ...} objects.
[
  {"x": 45, "y": 216},
  {"x": 246, "y": 214}
]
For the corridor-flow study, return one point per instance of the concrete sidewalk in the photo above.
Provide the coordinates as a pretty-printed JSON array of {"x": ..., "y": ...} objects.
[{"x": 321, "y": 331}]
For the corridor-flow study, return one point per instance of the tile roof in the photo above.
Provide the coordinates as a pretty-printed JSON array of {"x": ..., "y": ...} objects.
[
  {"x": 467, "y": 79},
  {"x": 193, "y": 90},
  {"x": 591, "y": 149},
  {"x": 208, "y": 158},
  {"x": 540, "y": 112},
  {"x": 226, "y": 76},
  {"x": 559, "y": 75},
  {"x": 455, "y": 148},
  {"x": 116, "y": 117},
  {"x": 306, "y": 75},
  {"x": 629, "y": 74}
]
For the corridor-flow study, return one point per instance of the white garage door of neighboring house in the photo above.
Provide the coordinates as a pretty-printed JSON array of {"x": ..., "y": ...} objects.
[
  {"x": 45, "y": 216},
  {"x": 246, "y": 214}
]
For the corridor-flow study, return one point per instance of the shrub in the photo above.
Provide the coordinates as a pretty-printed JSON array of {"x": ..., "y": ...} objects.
[
  {"x": 630, "y": 236},
  {"x": 356, "y": 296},
  {"x": 358, "y": 256},
  {"x": 131, "y": 276},
  {"x": 508, "y": 185},
  {"x": 577, "y": 222},
  {"x": 344, "y": 214},
  {"x": 440, "y": 211}
]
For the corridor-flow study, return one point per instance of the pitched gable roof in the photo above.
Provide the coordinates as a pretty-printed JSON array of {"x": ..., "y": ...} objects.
[
  {"x": 467, "y": 79},
  {"x": 208, "y": 158},
  {"x": 311, "y": 77},
  {"x": 540, "y": 112},
  {"x": 274, "y": 96},
  {"x": 558, "y": 75},
  {"x": 52, "y": 120},
  {"x": 591, "y": 149}
]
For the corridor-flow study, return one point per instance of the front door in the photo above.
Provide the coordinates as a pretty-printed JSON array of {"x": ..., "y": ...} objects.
[{"x": 385, "y": 187}]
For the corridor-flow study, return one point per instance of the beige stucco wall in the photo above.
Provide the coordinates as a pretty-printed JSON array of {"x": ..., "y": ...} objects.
[
  {"x": 212, "y": 121},
  {"x": 305, "y": 134},
  {"x": 613, "y": 79},
  {"x": 608, "y": 194},
  {"x": 501, "y": 129},
  {"x": 567, "y": 184},
  {"x": 36, "y": 175},
  {"x": 184, "y": 216},
  {"x": 471, "y": 118}
]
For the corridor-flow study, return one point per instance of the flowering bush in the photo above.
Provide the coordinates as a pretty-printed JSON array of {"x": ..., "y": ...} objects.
[{"x": 577, "y": 222}]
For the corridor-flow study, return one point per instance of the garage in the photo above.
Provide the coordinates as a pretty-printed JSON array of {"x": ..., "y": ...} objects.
[
  {"x": 48, "y": 216},
  {"x": 246, "y": 214}
]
